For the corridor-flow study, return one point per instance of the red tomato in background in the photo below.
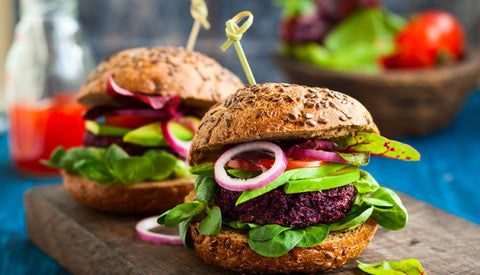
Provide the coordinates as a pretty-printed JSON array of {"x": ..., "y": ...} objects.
[
  {"x": 429, "y": 39},
  {"x": 267, "y": 164},
  {"x": 129, "y": 121}
]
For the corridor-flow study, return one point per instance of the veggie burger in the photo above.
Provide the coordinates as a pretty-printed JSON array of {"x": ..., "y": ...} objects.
[
  {"x": 279, "y": 187},
  {"x": 144, "y": 107}
]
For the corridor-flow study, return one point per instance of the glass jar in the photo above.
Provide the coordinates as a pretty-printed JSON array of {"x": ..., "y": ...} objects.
[{"x": 46, "y": 64}]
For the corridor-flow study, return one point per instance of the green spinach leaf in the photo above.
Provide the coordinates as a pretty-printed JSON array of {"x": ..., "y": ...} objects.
[
  {"x": 205, "y": 188},
  {"x": 55, "y": 158},
  {"x": 314, "y": 235},
  {"x": 358, "y": 159},
  {"x": 355, "y": 217},
  {"x": 182, "y": 212},
  {"x": 93, "y": 170},
  {"x": 133, "y": 169},
  {"x": 163, "y": 162},
  {"x": 410, "y": 266},
  {"x": 277, "y": 246},
  {"x": 393, "y": 218},
  {"x": 114, "y": 153},
  {"x": 366, "y": 183},
  {"x": 212, "y": 223},
  {"x": 204, "y": 169},
  {"x": 266, "y": 232}
]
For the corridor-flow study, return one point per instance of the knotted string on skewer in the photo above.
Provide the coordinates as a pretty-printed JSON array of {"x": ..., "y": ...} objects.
[
  {"x": 199, "y": 12},
  {"x": 234, "y": 34}
]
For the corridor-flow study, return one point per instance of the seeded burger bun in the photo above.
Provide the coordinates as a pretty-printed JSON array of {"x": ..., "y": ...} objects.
[
  {"x": 166, "y": 71},
  {"x": 199, "y": 82},
  {"x": 281, "y": 113}
]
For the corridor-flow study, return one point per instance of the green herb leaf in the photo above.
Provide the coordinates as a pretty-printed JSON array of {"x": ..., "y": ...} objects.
[
  {"x": 366, "y": 183},
  {"x": 378, "y": 203},
  {"x": 205, "y": 188},
  {"x": 55, "y": 158},
  {"x": 212, "y": 223},
  {"x": 183, "y": 212},
  {"x": 339, "y": 178},
  {"x": 182, "y": 230},
  {"x": 133, "y": 169},
  {"x": 243, "y": 174},
  {"x": 81, "y": 153},
  {"x": 378, "y": 145},
  {"x": 266, "y": 232},
  {"x": 314, "y": 235},
  {"x": 204, "y": 169},
  {"x": 410, "y": 266},
  {"x": 93, "y": 170},
  {"x": 358, "y": 159},
  {"x": 277, "y": 246},
  {"x": 163, "y": 162},
  {"x": 161, "y": 218},
  {"x": 114, "y": 153},
  {"x": 238, "y": 224},
  {"x": 393, "y": 218},
  {"x": 355, "y": 217}
]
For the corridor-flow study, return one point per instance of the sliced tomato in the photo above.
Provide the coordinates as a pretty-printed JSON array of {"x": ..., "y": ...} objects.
[
  {"x": 267, "y": 164},
  {"x": 129, "y": 121}
]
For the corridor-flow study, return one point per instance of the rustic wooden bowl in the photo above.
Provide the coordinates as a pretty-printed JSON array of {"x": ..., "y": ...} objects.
[{"x": 402, "y": 102}]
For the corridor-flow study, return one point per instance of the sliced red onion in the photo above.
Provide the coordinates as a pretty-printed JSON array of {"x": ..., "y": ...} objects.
[
  {"x": 144, "y": 226},
  {"x": 142, "y": 112},
  {"x": 97, "y": 111},
  {"x": 180, "y": 146},
  {"x": 234, "y": 184},
  {"x": 316, "y": 154},
  {"x": 314, "y": 145},
  {"x": 169, "y": 103}
]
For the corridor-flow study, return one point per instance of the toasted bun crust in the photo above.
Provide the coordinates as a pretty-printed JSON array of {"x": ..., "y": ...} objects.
[
  {"x": 142, "y": 198},
  {"x": 196, "y": 78},
  {"x": 277, "y": 112},
  {"x": 229, "y": 249}
]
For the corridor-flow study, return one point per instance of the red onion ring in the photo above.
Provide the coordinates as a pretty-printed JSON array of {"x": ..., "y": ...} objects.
[
  {"x": 316, "y": 154},
  {"x": 180, "y": 146},
  {"x": 156, "y": 102},
  {"x": 142, "y": 112},
  {"x": 233, "y": 184},
  {"x": 187, "y": 123},
  {"x": 144, "y": 226}
]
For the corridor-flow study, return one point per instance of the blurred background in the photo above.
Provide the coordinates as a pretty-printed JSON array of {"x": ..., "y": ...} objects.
[{"x": 98, "y": 28}]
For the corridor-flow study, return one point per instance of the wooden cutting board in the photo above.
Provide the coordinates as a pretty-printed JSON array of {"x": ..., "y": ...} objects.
[{"x": 85, "y": 241}]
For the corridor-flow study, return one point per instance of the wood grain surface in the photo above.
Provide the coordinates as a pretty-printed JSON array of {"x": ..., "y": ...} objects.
[{"x": 86, "y": 241}]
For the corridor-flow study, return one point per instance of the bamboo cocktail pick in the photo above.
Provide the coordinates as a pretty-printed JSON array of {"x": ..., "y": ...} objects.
[
  {"x": 234, "y": 34},
  {"x": 199, "y": 12}
]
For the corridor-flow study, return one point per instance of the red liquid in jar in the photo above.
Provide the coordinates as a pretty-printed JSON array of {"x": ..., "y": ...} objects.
[{"x": 37, "y": 129}]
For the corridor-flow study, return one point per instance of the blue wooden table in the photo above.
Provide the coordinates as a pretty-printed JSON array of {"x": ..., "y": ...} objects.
[{"x": 448, "y": 176}]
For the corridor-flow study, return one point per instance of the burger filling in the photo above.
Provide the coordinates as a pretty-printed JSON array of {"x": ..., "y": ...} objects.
[
  {"x": 285, "y": 196},
  {"x": 146, "y": 138}
]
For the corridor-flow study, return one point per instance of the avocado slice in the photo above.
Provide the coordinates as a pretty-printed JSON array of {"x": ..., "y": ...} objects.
[
  {"x": 151, "y": 134},
  {"x": 101, "y": 129}
]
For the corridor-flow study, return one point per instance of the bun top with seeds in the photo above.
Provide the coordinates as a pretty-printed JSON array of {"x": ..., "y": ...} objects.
[
  {"x": 278, "y": 113},
  {"x": 197, "y": 79}
]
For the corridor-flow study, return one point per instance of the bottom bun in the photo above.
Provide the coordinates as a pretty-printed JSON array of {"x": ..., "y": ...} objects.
[
  {"x": 141, "y": 198},
  {"x": 229, "y": 249}
]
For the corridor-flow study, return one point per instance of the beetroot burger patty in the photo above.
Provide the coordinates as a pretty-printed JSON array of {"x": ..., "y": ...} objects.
[
  {"x": 92, "y": 140},
  {"x": 292, "y": 210}
]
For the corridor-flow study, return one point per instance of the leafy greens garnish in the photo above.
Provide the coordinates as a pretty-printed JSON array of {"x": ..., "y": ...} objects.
[
  {"x": 114, "y": 165},
  {"x": 410, "y": 266},
  {"x": 272, "y": 240},
  {"x": 378, "y": 146}
]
